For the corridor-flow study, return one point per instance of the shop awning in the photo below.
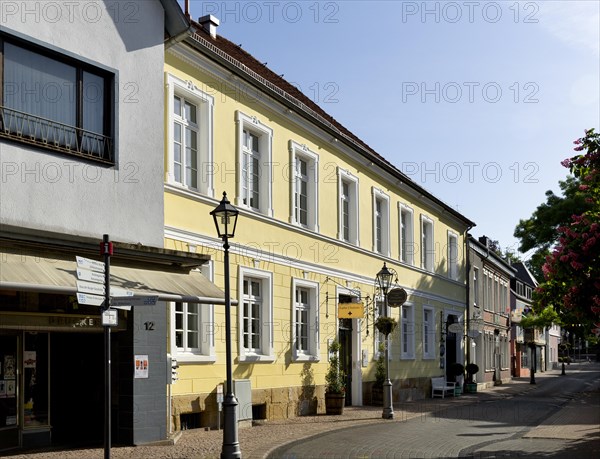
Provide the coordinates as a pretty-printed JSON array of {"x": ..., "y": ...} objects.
[{"x": 46, "y": 274}]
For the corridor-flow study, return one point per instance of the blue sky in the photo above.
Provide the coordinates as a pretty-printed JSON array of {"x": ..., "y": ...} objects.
[{"x": 476, "y": 101}]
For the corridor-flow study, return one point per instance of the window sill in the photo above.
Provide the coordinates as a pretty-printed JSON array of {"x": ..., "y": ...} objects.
[
  {"x": 194, "y": 358},
  {"x": 252, "y": 358},
  {"x": 306, "y": 358}
]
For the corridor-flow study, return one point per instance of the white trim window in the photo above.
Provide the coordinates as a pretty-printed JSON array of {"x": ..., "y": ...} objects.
[
  {"x": 475, "y": 286},
  {"x": 190, "y": 156},
  {"x": 427, "y": 244},
  {"x": 407, "y": 234},
  {"x": 489, "y": 349},
  {"x": 304, "y": 167},
  {"x": 381, "y": 222},
  {"x": 305, "y": 328},
  {"x": 407, "y": 332},
  {"x": 255, "y": 315},
  {"x": 452, "y": 255},
  {"x": 192, "y": 328},
  {"x": 378, "y": 336},
  {"x": 254, "y": 164},
  {"x": 348, "y": 207},
  {"x": 428, "y": 333}
]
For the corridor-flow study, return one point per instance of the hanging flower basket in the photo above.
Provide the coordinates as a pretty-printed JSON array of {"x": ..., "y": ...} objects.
[{"x": 385, "y": 325}]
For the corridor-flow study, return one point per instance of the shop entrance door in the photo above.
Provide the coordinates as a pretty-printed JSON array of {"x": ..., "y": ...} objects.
[
  {"x": 345, "y": 336},
  {"x": 9, "y": 429},
  {"x": 77, "y": 388}
]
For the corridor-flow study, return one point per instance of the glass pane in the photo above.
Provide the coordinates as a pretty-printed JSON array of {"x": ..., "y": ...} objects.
[
  {"x": 192, "y": 340},
  {"x": 177, "y": 105},
  {"x": 193, "y": 308},
  {"x": 245, "y": 287},
  {"x": 8, "y": 381},
  {"x": 179, "y": 321},
  {"x": 179, "y": 339},
  {"x": 256, "y": 288},
  {"x": 93, "y": 103},
  {"x": 190, "y": 112},
  {"x": 35, "y": 369},
  {"x": 177, "y": 132}
]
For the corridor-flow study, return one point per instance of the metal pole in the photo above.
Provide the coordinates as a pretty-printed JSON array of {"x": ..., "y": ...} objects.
[
  {"x": 107, "y": 388},
  {"x": 388, "y": 409},
  {"x": 231, "y": 445}
]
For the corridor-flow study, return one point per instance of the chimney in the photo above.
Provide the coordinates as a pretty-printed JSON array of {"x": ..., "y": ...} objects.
[
  {"x": 209, "y": 23},
  {"x": 485, "y": 241}
]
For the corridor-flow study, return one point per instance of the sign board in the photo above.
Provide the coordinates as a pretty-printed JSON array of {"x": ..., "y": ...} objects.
[
  {"x": 141, "y": 366},
  {"x": 455, "y": 328},
  {"x": 351, "y": 310},
  {"x": 92, "y": 265},
  {"x": 396, "y": 297},
  {"x": 89, "y": 275},
  {"x": 120, "y": 292},
  {"x": 110, "y": 318},
  {"x": 134, "y": 301},
  {"x": 92, "y": 300},
  {"x": 90, "y": 287},
  {"x": 220, "y": 393},
  {"x": 472, "y": 333}
]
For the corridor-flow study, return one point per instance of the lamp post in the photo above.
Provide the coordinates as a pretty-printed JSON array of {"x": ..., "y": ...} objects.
[
  {"x": 225, "y": 216},
  {"x": 384, "y": 280}
]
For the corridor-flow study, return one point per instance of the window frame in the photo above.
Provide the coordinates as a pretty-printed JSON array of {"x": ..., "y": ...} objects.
[
  {"x": 403, "y": 209},
  {"x": 452, "y": 261},
  {"x": 301, "y": 151},
  {"x": 353, "y": 207},
  {"x": 206, "y": 326},
  {"x": 407, "y": 332},
  {"x": 476, "y": 286},
  {"x": 266, "y": 353},
  {"x": 313, "y": 352},
  {"x": 427, "y": 253},
  {"x": 75, "y": 132},
  {"x": 204, "y": 103},
  {"x": 429, "y": 338},
  {"x": 265, "y": 144},
  {"x": 383, "y": 217}
]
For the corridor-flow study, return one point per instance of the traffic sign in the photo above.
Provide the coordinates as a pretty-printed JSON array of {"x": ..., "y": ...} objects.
[
  {"x": 87, "y": 263},
  {"x": 90, "y": 287},
  {"x": 351, "y": 310},
  {"x": 110, "y": 318},
  {"x": 88, "y": 275},
  {"x": 92, "y": 300},
  {"x": 134, "y": 301}
]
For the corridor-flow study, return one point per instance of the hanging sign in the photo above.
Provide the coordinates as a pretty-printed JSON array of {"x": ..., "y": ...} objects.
[
  {"x": 396, "y": 297},
  {"x": 351, "y": 310},
  {"x": 455, "y": 328}
]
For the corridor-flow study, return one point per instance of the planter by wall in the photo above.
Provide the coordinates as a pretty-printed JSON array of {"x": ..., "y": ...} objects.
[{"x": 334, "y": 403}]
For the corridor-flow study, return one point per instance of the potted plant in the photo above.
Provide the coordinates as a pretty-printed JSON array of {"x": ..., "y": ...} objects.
[
  {"x": 335, "y": 382},
  {"x": 377, "y": 389},
  {"x": 471, "y": 385},
  {"x": 385, "y": 325}
]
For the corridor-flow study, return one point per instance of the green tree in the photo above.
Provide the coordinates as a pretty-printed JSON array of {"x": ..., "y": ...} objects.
[
  {"x": 540, "y": 231},
  {"x": 572, "y": 270}
]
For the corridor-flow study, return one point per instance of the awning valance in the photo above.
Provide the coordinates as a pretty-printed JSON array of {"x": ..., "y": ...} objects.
[{"x": 47, "y": 274}]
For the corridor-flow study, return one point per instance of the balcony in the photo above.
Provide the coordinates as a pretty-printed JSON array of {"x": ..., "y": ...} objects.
[{"x": 34, "y": 130}]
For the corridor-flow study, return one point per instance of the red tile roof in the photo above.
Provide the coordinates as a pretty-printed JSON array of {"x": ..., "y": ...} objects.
[{"x": 237, "y": 58}]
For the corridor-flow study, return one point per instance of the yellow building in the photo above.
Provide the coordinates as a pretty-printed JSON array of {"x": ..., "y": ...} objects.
[{"x": 320, "y": 213}]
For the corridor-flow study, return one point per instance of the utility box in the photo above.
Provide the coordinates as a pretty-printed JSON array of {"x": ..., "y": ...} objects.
[{"x": 242, "y": 388}]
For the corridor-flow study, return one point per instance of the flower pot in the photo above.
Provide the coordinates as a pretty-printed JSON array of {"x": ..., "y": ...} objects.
[
  {"x": 334, "y": 403},
  {"x": 377, "y": 396},
  {"x": 471, "y": 388}
]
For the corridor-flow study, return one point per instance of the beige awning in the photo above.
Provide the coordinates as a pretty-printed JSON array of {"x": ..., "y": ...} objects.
[{"x": 29, "y": 272}]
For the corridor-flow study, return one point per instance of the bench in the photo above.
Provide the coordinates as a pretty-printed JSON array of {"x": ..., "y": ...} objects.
[{"x": 440, "y": 387}]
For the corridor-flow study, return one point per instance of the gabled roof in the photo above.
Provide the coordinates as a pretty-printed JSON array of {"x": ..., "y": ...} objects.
[
  {"x": 248, "y": 67},
  {"x": 524, "y": 275},
  {"x": 492, "y": 257}
]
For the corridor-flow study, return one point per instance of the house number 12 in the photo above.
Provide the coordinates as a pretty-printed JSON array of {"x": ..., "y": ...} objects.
[{"x": 149, "y": 325}]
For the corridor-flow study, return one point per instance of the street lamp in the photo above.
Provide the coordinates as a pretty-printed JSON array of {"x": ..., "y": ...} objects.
[
  {"x": 225, "y": 216},
  {"x": 384, "y": 280}
]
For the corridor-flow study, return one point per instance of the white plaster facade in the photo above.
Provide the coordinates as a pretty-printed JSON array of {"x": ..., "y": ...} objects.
[{"x": 57, "y": 193}]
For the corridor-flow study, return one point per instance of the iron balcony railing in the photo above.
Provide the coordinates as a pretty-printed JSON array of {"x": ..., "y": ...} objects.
[{"x": 35, "y": 130}]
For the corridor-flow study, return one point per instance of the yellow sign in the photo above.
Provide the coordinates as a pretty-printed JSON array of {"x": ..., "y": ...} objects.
[{"x": 351, "y": 310}]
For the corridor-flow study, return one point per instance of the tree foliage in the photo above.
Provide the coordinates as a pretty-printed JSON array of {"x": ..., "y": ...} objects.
[
  {"x": 540, "y": 231},
  {"x": 572, "y": 269}
]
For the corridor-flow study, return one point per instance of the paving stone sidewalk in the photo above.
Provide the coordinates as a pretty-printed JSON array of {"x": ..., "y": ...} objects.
[{"x": 259, "y": 440}]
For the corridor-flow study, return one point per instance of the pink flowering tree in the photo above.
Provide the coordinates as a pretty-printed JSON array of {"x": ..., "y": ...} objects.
[{"x": 572, "y": 270}]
